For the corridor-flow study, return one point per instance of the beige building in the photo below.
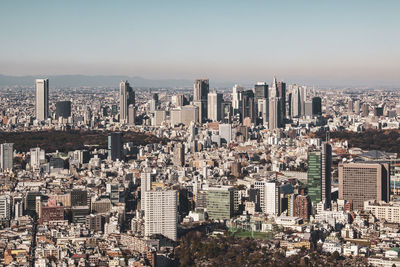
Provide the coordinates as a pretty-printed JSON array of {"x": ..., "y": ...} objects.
[
  {"x": 364, "y": 181},
  {"x": 389, "y": 212}
]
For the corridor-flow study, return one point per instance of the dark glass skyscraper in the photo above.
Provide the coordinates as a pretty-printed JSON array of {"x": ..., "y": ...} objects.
[
  {"x": 319, "y": 175},
  {"x": 316, "y": 106},
  {"x": 63, "y": 109},
  {"x": 115, "y": 146}
]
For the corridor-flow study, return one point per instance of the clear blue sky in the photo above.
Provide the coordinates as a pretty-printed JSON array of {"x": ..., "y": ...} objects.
[{"x": 223, "y": 40}]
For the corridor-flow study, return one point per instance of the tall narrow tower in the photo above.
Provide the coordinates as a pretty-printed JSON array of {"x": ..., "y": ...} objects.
[
  {"x": 126, "y": 98},
  {"x": 42, "y": 99}
]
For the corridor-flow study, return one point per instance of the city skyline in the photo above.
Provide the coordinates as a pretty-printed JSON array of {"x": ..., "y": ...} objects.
[{"x": 318, "y": 43}]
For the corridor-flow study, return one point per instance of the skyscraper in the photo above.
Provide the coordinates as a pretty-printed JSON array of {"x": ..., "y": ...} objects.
[
  {"x": 179, "y": 154},
  {"x": 237, "y": 98},
  {"x": 296, "y": 101},
  {"x": 359, "y": 182},
  {"x": 42, "y": 99},
  {"x": 214, "y": 106},
  {"x": 319, "y": 175},
  {"x": 220, "y": 202},
  {"x": 6, "y": 156},
  {"x": 316, "y": 106},
  {"x": 201, "y": 89},
  {"x": 272, "y": 198},
  {"x": 248, "y": 106},
  {"x": 5, "y": 210},
  {"x": 115, "y": 144},
  {"x": 282, "y": 97},
  {"x": 160, "y": 213},
  {"x": 145, "y": 185},
  {"x": 63, "y": 109},
  {"x": 126, "y": 98},
  {"x": 260, "y": 90},
  {"x": 274, "y": 120}
]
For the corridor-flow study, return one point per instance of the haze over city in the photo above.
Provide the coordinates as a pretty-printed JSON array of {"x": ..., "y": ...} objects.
[{"x": 321, "y": 43}]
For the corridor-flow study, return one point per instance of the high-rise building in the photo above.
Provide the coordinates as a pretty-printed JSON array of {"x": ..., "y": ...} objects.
[
  {"x": 5, "y": 210},
  {"x": 214, "y": 106},
  {"x": 179, "y": 154},
  {"x": 365, "y": 110},
  {"x": 38, "y": 156},
  {"x": 237, "y": 98},
  {"x": 6, "y": 156},
  {"x": 63, "y": 109},
  {"x": 220, "y": 202},
  {"x": 225, "y": 131},
  {"x": 131, "y": 114},
  {"x": 115, "y": 145},
  {"x": 316, "y": 106},
  {"x": 272, "y": 198},
  {"x": 296, "y": 101},
  {"x": 161, "y": 213},
  {"x": 274, "y": 120},
  {"x": 263, "y": 110},
  {"x": 319, "y": 175},
  {"x": 126, "y": 98},
  {"x": 282, "y": 95},
  {"x": 359, "y": 182},
  {"x": 145, "y": 185},
  {"x": 248, "y": 109},
  {"x": 302, "y": 207},
  {"x": 79, "y": 197},
  {"x": 201, "y": 89},
  {"x": 42, "y": 99},
  {"x": 260, "y": 91}
]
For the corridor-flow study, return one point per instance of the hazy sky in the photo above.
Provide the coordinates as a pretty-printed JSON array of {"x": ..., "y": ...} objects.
[{"x": 223, "y": 40}]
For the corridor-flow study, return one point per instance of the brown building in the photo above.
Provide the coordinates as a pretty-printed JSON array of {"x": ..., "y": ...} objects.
[
  {"x": 302, "y": 207},
  {"x": 52, "y": 213},
  {"x": 359, "y": 182}
]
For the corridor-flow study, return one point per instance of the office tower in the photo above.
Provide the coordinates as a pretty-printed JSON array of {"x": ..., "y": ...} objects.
[
  {"x": 302, "y": 207},
  {"x": 201, "y": 89},
  {"x": 296, "y": 101},
  {"x": 316, "y": 106},
  {"x": 63, "y": 109},
  {"x": 319, "y": 175},
  {"x": 357, "y": 104},
  {"x": 179, "y": 154},
  {"x": 145, "y": 185},
  {"x": 226, "y": 112},
  {"x": 87, "y": 115},
  {"x": 274, "y": 120},
  {"x": 126, "y": 98},
  {"x": 281, "y": 86},
  {"x": 115, "y": 145},
  {"x": 42, "y": 99},
  {"x": 303, "y": 98},
  {"x": 350, "y": 106},
  {"x": 263, "y": 110},
  {"x": 359, "y": 182},
  {"x": 38, "y": 156},
  {"x": 30, "y": 200},
  {"x": 159, "y": 117},
  {"x": 189, "y": 114},
  {"x": 220, "y": 203},
  {"x": 272, "y": 198},
  {"x": 6, "y": 156},
  {"x": 131, "y": 114},
  {"x": 254, "y": 196},
  {"x": 79, "y": 197},
  {"x": 308, "y": 108},
  {"x": 260, "y": 91},
  {"x": 225, "y": 131},
  {"x": 248, "y": 109},
  {"x": 5, "y": 209},
  {"x": 237, "y": 98},
  {"x": 214, "y": 106},
  {"x": 260, "y": 186},
  {"x": 160, "y": 214},
  {"x": 378, "y": 111},
  {"x": 178, "y": 100},
  {"x": 113, "y": 190},
  {"x": 365, "y": 110}
]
